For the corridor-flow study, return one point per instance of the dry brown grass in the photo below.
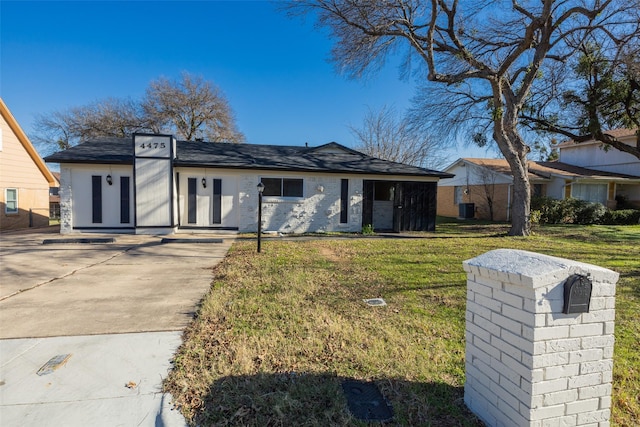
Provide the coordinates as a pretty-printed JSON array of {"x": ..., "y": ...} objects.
[{"x": 280, "y": 330}]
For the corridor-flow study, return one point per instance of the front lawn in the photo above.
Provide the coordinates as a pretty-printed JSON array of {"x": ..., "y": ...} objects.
[{"x": 280, "y": 330}]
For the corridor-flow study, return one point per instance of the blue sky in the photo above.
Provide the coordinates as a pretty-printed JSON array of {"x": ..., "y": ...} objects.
[{"x": 274, "y": 70}]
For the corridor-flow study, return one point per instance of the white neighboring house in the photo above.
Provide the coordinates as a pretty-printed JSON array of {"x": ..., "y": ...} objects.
[
  {"x": 155, "y": 184},
  {"x": 592, "y": 155},
  {"x": 584, "y": 171}
]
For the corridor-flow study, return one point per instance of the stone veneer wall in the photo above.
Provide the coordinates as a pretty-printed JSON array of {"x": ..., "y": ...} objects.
[
  {"x": 527, "y": 363},
  {"x": 66, "y": 201},
  {"x": 317, "y": 211}
]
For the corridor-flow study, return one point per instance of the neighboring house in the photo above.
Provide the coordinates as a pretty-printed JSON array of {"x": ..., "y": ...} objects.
[
  {"x": 24, "y": 178},
  {"x": 592, "y": 155},
  {"x": 483, "y": 188},
  {"x": 155, "y": 184},
  {"x": 54, "y": 198}
]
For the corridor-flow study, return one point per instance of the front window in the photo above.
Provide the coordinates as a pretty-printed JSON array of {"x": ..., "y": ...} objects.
[
  {"x": 590, "y": 192},
  {"x": 537, "y": 190},
  {"x": 283, "y": 187},
  {"x": 11, "y": 201}
]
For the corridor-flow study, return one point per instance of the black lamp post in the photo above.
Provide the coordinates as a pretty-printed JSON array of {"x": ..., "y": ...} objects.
[{"x": 260, "y": 190}]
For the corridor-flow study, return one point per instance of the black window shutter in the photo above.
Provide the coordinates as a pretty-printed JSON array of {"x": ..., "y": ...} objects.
[
  {"x": 191, "y": 203},
  {"x": 344, "y": 201},
  {"x": 96, "y": 199},
  {"x": 125, "y": 201},
  {"x": 217, "y": 201}
]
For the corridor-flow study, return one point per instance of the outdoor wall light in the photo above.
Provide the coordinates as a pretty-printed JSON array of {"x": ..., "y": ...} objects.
[
  {"x": 204, "y": 182},
  {"x": 320, "y": 189},
  {"x": 109, "y": 180}
]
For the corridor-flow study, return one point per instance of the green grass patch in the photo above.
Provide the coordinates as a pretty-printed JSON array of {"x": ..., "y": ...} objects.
[{"x": 280, "y": 330}]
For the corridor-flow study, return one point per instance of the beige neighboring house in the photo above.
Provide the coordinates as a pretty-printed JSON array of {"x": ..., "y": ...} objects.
[
  {"x": 483, "y": 188},
  {"x": 24, "y": 178}
]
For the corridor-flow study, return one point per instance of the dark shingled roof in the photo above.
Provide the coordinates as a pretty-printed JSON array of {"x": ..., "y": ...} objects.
[{"x": 331, "y": 157}]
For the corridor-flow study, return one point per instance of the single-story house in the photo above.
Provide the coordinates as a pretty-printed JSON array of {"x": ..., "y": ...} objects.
[
  {"x": 24, "y": 178},
  {"x": 483, "y": 188},
  {"x": 155, "y": 184}
]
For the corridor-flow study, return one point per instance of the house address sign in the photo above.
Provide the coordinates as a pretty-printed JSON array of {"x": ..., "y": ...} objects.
[{"x": 152, "y": 146}]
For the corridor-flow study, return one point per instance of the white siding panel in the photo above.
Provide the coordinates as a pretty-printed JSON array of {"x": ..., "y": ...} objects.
[
  {"x": 81, "y": 189},
  {"x": 153, "y": 192}
]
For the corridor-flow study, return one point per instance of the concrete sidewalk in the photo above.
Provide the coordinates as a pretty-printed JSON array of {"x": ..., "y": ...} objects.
[
  {"x": 109, "y": 380},
  {"x": 118, "y": 309}
]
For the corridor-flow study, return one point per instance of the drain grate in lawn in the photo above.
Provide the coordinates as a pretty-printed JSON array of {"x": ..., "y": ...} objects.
[
  {"x": 365, "y": 401},
  {"x": 375, "y": 302}
]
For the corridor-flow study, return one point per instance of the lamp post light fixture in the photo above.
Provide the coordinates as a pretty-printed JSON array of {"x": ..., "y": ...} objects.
[{"x": 260, "y": 190}]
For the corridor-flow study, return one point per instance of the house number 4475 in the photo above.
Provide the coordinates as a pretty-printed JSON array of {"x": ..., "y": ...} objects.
[{"x": 153, "y": 145}]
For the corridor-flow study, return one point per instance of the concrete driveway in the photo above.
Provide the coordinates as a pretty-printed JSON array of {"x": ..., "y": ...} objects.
[{"x": 117, "y": 309}]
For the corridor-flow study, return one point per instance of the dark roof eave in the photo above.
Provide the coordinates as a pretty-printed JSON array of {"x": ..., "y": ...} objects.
[
  {"x": 91, "y": 162},
  {"x": 441, "y": 175}
]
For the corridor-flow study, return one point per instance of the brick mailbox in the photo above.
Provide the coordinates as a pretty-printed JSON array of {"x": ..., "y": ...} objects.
[{"x": 539, "y": 340}]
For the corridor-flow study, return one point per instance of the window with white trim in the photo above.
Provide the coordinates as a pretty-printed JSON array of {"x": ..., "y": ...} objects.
[
  {"x": 11, "y": 201},
  {"x": 283, "y": 187},
  {"x": 590, "y": 192}
]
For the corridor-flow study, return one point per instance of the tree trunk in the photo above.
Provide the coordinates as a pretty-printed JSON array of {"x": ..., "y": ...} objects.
[
  {"x": 521, "y": 206},
  {"x": 515, "y": 151}
]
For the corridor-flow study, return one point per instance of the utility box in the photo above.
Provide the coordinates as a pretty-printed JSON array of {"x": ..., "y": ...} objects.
[{"x": 466, "y": 210}]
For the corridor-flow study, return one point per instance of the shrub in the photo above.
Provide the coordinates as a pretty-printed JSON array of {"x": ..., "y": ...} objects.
[
  {"x": 621, "y": 217},
  {"x": 367, "y": 229},
  {"x": 589, "y": 213},
  {"x": 535, "y": 216},
  {"x": 567, "y": 211}
]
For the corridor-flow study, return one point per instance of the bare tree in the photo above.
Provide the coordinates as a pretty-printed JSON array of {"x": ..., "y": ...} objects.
[
  {"x": 385, "y": 135},
  {"x": 192, "y": 108},
  {"x": 484, "y": 56},
  {"x": 109, "y": 117},
  {"x": 488, "y": 188}
]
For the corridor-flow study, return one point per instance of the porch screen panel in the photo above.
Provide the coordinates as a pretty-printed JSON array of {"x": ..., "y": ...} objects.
[
  {"x": 192, "y": 207},
  {"x": 344, "y": 200},
  {"x": 217, "y": 201},
  {"x": 96, "y": 199},
  {"x": 125, "y": 200},
  {"x": 418, "y": 201}
]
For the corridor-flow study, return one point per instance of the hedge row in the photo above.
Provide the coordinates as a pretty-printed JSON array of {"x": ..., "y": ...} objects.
[{"x": 545, "y": 210}]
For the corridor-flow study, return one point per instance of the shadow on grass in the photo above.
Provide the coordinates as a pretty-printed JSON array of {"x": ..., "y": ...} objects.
[{"x": 317, "y": 400}]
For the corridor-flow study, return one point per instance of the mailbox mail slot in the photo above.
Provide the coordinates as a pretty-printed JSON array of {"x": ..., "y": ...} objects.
[{"x": 577, "y": 294}]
